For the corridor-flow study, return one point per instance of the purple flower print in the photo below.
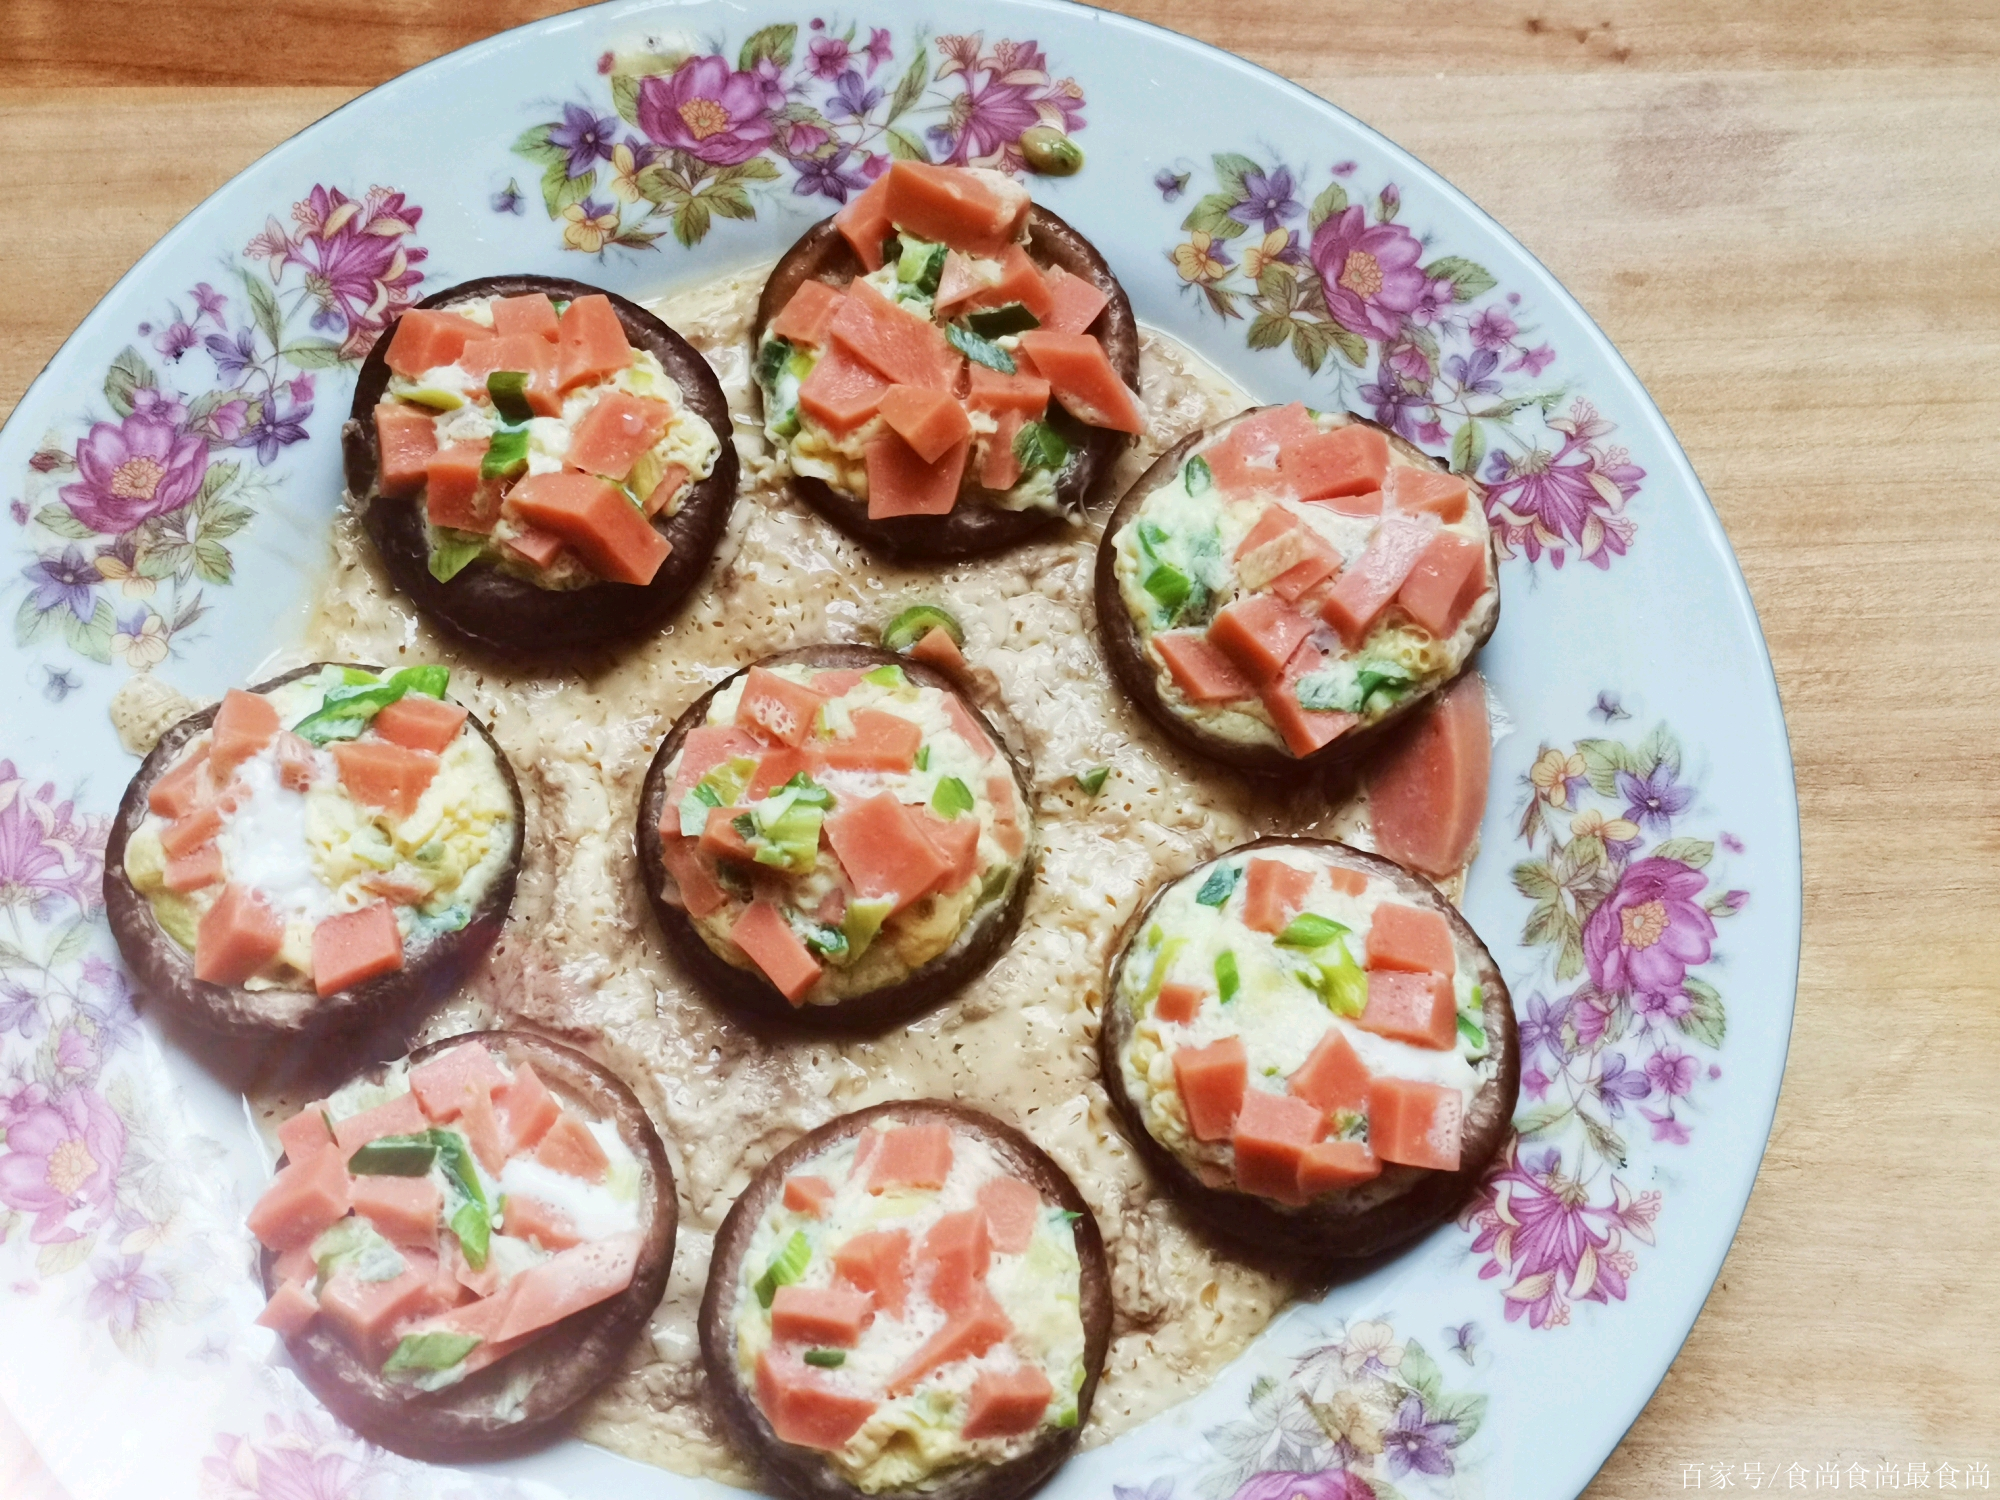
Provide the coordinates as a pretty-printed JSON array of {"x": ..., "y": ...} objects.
[
  {"x": 177, "y": 340},
  {"x": 1369, "y": 271},
  {"x": 1541, "y": 1026},
  {"x": 161, "y": 406},
  {"x": 1411, "y": 364},
  {"x": 1667, "y": 1005},
  {"x": 1268, "y": 199},
  {"x": 586, "y": 138},
  {"x": 129, "y": 473},
  {"x": 121, "y": 1287},
  {"x": 708, "y": 110},
  {"x": 1397, "y": 406},
  {"x": 878, "y": 49},
  {"x": 1170, "y": 183},
  {"x": 830, "y": 176},
  {"x": 301, "y": 387},
  {"x": 232, "y": 355},
  {"x": 208, "y": 302},
  {"x": 1672, "y": 1071},
  {"x": 1474, "y": 375},
  {"x": 852, "y": 99},
  {"x": 1538, "y": 1225},
  {"x": 1644, "y": 936},
  {"x": 1617, "y": 1085},
  {"x": 64, "y": 582},
  {"x": 798, "y": 139},
  {"x": 827, "y": 57},
  {"x": 46, "y": 850},
  {"x": 1416, "y": 1440},
  {"x": 1536, "y": 1083},
  {"x": 274, "y": 430},
  {"x": 1433, "y": 302},
  {"x": 1327, "y": 1484},
  {"x": 61, "y": 1158},
  {"x": 1493, "y": 330},
  {"x": 75, "y": 1052},
  {"x": 1655, "y": 801}
]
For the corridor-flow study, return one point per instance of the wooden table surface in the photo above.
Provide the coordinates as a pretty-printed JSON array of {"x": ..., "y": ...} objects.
[{"x": 1787, "y": 216}]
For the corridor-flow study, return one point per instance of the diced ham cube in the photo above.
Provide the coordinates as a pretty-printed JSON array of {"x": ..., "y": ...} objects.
[
  {"x": 764, "y": 934},
  {"x": 830, "y": 1317},
  {"x": 1013, "y": 1208},
  {"x": 405, "y": 439},
  {"x": 1271, "y": 1134},
  {"x": 803, "y": 320},
  {"x": 883, "y": 850},
  {"x": 1428, "y": 794},
  {"x": 776, "y": 709},
  {"x": 301, "y": 1201},
  {"x": 1408, "y": 937},
  {"x": 194, "y": 871},
  {"x": 579, "y": 1277},
  {"x": 404, "y": 1210},
  {"x": 290, "y": 1311},
  {"x": 356, "y": 946},
  {"x": 958, "y": 1251},
  {"x": 236, "y": 937},
  {"x": 419, "y": 722},
  {"x": 1273, "y": 893},
  {"x": 1419, "y": 1009},
  {"x": 306, "y": 1134},
  {"x": 569, "y": 1147},
  {"x": 1416, "y": 1124},
  {"x": 184, "y": 789},
  {"x": 808, "y": 1195},
  {"x": 877, "y": 1262},
  {"x": 1180, "y": 1003},
  {"x": 699, "y": 892},
  {"x": 805, "y": 1408},
  {"x": 1447, "y": 580},
  {"x": 540, "y": 1223},
  {"x": 1333, "y": 1077},
  {"x": 938, "y": 649},
  {"x": 1418, "y": 490},
  {"x": 400, "y": 1116},
  {"x": 527, "y": 1109},
  {"x": 244, "y": 724},
  {"x": 1366, "y": 588},
  {"x": 1202, "y": 672},
  {"x": 1260, "y": 634},
  {"x": 379, "y": 774},
  {"x": 1349, "y": 460},
  {"x": 882, "y": 741},
  {"x": 1007, "y": 1403},
  {"x": 1331, "y": 1165},
  {"x": 965, "y": 1335},
  {"x": 445, "y": 1084},
  {"x": 916, "y": 1156},
  {"x": 1211, "y": 1081}
]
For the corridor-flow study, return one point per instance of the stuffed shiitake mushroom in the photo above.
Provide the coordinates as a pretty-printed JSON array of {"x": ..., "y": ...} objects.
[
  {"x": 911, "y": 1300},
  {"x": 540, "y": 464},
  {"x": 1311, "y": 1047},
  {"x": 460, "y": 1246},
  {"x": 835, "y": 836},
  {"x": 948, "y": 368},
  {"x": 314, "y": 852},
  {"x": 1283, "y": 586}
]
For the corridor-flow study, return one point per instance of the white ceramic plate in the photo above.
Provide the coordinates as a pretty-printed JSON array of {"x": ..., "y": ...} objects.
[{"x": 172, "y": 473}]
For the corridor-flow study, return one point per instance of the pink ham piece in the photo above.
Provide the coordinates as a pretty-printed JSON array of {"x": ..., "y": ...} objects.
[
  {"x": 805, "y": 1408},
  {"x": 290, "y": 1311},
  {"x": 1260, "y": 634},
  {"x": 1007, "y": 1403},
  {"x": 527, "y": 1109},
  {"x": 966, "y": 726},
  {"x": 699, "y": 892},
  {"x": 958, "y": 1252},
  {"x": 1012, "y": 1208},
  {"x": 533, "y": 1220},
  {"x": 965, "y": 1335},
  {"x": 244, "y": 724},
  {"x": 580, "y": 1277},
  {"x": 473, "y": 1320},
  {"x": 1271, "y": 1136},
  {"x": 236, "y": 937},
  {"x": 1419, "y": 1009},
  {"x": 877, "y": 1262},
  {"x": 185, "y": 788},
  {"x": 808, "y": 1195},
  {"x": 831, "y": 1317},
  {"x": 444, "y": 1084},
  {"x": 916, "y": 1156},
  {"x": 1366, "y": 588},
  {"x": 1446, "y": 582},
  {"x": 569, "y": 1147},
  {"x": 301, "y": 1202},
  {"x": 306, "y": 1134},
  {"x": 1411, "y": 938},
  {"x": 404, "y": 1210},
  {"x": 883, "y": 849},
  {"x": 705, "y": 748},
  {"x": 1202, "y": 673},
  {"x": 354, "y": 947},
  {"x": 1336, "y": 1164},
  {"x": 367, "y": 1314},
  {"x": 1333, "y": 1077},
  {"x": 400, "y": 1116},
  {"x": 1428, "y": 794}
]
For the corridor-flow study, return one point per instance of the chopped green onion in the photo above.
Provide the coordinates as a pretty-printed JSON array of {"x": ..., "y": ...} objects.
[
  {"x": 509, "y": 390},
  {"x": 998, "y": 322},
  {"x": 920, "y": 265},
  {"x": 980, "y": 351},
  {"x": 788, "y": 1267},
  {"x": 951, "y": 798},
  {"x": 826, "y": 1359},
  {"x": 828, "y": 942},
  {"x": 348, "y": 709},
  {"x": 1310, "y": 930},
  {"x": 771, "y": 360},
  {"x": 890, "y": 676},
  {"x": 806, "y": 792},
  {"x": 1226, "y": 979},
  {"x": 1220, "y": 886},
  {"x": 1339, "y": 982},
  {"x": 1170, "y": 586},
  {"x": 923, "y": 757},
  {"x": 1092, "y": 781},
  {"x": 1197, "y": 476},
  {"x": 1039, "y": 446},
  {"x": 474, "y": 1228},
  {"x": 1386, "y": 678},
  {"x": 918, "y": 621},
  {"x": 1471, "y": 1030},
  {"x": 506, "y": 454},
  {"x": 1068, "y": 1215}
]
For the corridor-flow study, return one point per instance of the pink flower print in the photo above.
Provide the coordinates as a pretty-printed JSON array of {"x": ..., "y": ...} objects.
[
  {"x": 1007, "y": 91},
  {"x": 1649, "y": 931},
  {"x": 356, "y": 267},
  {"x": 878, "y": 48},
  {"x": 1493, "y": 330},
  {"x": 1536, "y": 1083},
  {"x": 1672, "y": 1071},
  {"x": 1667, "y": 1128},
  {"x": 301, "y": 388},
  {"x": 708, "y": 110},
  {"x": 208, "y": 302},
  {"x": 1534, "y": 360},
  {"x": 1539, "y": 1228},
  {"x": 1327, "y": 1484},
  {"x": 1573, "y": 497},
  {"x": 132, "y": 471},
  {"x": 1369, "y": 271},
  {"x": 827, "y": 57},
  {"x": 61, "y": 1159},
  {"x": 46, "y": 850},
  {"x": 176, "y": 340}
]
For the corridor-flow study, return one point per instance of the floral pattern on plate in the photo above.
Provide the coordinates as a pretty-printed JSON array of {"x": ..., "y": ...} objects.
[
  {"x": 100, "y": 1192},
  {"x": 1457, "y": 366},
  {"x": 1367, "y": 1417},
  {"x": 685, "y": 138},
  {"x": 127, "y": 523},
  {"x": 1625, "y": 912}
]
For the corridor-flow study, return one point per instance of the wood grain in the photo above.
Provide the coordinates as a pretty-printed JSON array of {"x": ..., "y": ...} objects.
[{"x": 1787, "y": 216}]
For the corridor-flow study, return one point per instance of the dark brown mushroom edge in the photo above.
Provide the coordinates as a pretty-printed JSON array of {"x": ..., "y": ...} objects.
[
  {"x": 314, "y": 853},
  {"x": 511, "y": 1229},
  {"x": 911, "y": 1301},
  {"x": 835, "y": 837},
  {"x": 565, "y": 563},
  {"x": 1282, "y": 588},
  {"x": 1311, "y": 1048},
  {"x": 1019, "y": 481}
]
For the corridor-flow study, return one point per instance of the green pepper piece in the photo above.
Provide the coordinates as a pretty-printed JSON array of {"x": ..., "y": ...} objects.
[
  {"x": 349, "y": 708},
  {"x": 452, "y": 552},
  {"x": 916, "y": 622},
  {"x": 771, "y": 360},
  {"x": 1226, "y": 979},
  {"x": 920, "y": 266},
  {"x": 1220, "y": 886},
  {"x": 394, "y": 1156},
  {"x": 998, "y": 322},
  {"x": 1310, "y": 930},
  {"x": 951, "y": 797},
  {"x": 506, "y": 454},
  {"x": 509, "y": 390},
  {"x": 979, "y": 350},
  {"x": 1170, "y": 586},
  {"x": 890, "y": 676},
  {"x": 429, "y": 1351},
  {"x": 1039, "y": 446},
  {"x": 863, "y": 921}
]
